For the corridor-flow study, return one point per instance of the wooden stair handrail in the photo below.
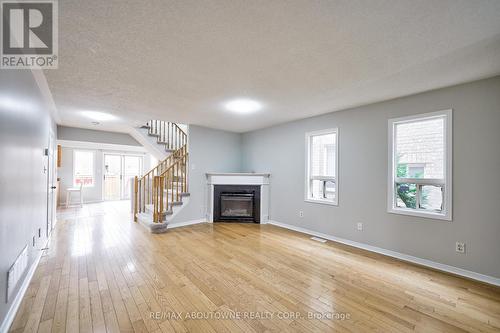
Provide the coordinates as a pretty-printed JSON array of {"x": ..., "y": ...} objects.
[{"x": 171, "y": 173}]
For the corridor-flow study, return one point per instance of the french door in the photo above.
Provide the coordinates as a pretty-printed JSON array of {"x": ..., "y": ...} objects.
[{"x": 119, "y": 172}]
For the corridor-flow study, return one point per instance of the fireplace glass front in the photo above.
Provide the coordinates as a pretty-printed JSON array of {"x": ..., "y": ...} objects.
[{"x": 237, "y": 205}]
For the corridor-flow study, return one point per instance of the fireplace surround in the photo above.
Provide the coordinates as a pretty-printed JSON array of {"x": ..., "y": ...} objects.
[{"x": 237, "y": 197}]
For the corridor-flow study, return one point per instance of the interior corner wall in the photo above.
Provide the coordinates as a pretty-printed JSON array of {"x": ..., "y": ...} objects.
[
  {"x": 363, "y": 163},
  {"x": 25, "y": 124},
  {"x": 209, "y": 151}
]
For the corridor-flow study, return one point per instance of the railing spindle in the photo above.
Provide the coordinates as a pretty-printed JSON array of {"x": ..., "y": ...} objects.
[{"x": 172, "y": 171}]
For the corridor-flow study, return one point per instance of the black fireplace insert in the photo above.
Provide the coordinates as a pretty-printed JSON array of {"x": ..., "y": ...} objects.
[{"x": 237, "y": 203}]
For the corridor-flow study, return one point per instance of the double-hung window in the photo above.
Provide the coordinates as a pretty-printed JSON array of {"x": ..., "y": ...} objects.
[
  {"x": 420, "y": 159},
  {"x": 322, "y": 166},
  {"x": 83, "y": 168}
]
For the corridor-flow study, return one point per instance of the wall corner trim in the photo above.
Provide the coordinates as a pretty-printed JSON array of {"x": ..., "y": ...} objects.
[
  {"x": 11, "y": 313},
  {"x": 401, "y": 256}
]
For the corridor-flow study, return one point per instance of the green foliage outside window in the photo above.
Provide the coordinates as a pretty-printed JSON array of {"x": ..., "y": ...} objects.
[{"x": 407, "y": 192}]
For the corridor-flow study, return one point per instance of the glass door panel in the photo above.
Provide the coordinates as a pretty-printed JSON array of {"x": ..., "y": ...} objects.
[
  {"x": 112, "y": 177},
  {"x": 132, "y": 166}
]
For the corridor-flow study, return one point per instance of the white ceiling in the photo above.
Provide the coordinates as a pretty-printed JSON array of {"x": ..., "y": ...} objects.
[{"x": 180, "y": 60}]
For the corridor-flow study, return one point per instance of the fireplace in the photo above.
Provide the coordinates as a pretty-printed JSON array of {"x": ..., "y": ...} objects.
[{"x": 237, "y": 203}]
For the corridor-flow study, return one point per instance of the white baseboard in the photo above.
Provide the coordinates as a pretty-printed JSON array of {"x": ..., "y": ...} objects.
[
  {"x": 424, "y": 262},
  {"x": 11, "y": 314},
  {"x": 183, "y": 224}
]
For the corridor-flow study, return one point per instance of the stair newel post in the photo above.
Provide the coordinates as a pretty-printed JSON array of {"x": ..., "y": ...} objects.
[{"x": 136, "y": 186}]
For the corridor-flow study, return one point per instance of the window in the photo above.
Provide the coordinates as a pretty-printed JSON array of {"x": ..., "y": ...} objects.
[
  {"x": 420, "y": 165},
  {"x": 83, "y": 168},
  {"x": 322, "y": 165}
]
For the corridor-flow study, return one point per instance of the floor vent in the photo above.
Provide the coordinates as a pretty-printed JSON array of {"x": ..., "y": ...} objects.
[
  {"x": 317, "y": 239},
  {"x": 16, "y": 271}
]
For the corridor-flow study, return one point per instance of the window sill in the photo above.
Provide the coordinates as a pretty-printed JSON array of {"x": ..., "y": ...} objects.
[
  {"x": 416, "y": 213},
  {"x": 322, "y": 202}
]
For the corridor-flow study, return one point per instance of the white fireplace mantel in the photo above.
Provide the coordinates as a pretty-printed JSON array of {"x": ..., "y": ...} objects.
[{"x": 222, "y": 178}]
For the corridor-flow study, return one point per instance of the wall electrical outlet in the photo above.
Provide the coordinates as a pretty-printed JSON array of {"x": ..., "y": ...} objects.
[
  {"x": 360, "y": 226},
  {"x": 301, "y": 213},
  {"x": 460, "y": 247}
]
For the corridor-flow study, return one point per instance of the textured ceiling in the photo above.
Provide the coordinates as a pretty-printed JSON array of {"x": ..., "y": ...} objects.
[{"x": 180, "y": 60}]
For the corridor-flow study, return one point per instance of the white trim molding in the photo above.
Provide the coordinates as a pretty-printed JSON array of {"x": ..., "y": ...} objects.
[
  {"x": 445, "y": 183},
  {"x": 401, "y": 256}
]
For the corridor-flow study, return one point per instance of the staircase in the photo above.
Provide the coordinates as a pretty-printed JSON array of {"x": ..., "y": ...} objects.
[{"x": 160, "y": 193}]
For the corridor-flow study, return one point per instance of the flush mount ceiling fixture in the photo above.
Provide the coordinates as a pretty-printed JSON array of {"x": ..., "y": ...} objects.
[
  {"x": 98, "y": 116},
  {"x": 243, "y": 105}
]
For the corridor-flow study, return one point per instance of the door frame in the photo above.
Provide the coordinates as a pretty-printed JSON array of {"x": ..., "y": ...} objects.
[{"x": 51, "y": 176}]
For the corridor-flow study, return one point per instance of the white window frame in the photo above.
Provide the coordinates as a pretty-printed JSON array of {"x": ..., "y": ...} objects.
[
  {"x": 93, "y": 166},
  {"x": 335, "y": 179},
  {"x": 446, "y": 182}
]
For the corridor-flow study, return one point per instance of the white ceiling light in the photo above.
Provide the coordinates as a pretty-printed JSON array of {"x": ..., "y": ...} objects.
[
  {"x": 243, "y": 105},
  {"x": 98, "y": 116}
]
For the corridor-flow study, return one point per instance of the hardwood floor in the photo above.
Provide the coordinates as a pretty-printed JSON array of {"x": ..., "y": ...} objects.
[{"x": 105, "y": 273}]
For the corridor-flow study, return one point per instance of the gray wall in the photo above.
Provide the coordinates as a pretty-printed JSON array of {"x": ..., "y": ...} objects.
[
  {"x": 363, "y": 177},
  {"x": 209, "y": 150},
  {"x": 24, "y": 134},
  {"x": 82, "y": 134}
]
